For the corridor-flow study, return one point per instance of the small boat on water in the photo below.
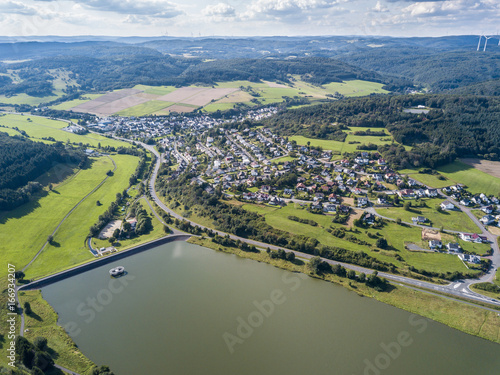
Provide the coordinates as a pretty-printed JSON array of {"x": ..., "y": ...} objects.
[{"x": 117, "y": 271}]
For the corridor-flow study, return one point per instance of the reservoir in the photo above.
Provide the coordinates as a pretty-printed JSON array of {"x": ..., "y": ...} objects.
[{"x": 185, "y": 309}]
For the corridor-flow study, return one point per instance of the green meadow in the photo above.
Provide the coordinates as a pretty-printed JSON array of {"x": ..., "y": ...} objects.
[
  {"x": 69, "y": 248},
  {"x": 453, "y": 220},
  {"x": 39, "y": 127},
  {"x": 396, "y": 235},
  {"x": 475, "y": 180}
]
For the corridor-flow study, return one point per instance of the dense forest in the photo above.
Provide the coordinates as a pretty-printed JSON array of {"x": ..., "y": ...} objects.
[
  {"x": 455, "y": 125},
  {"x": 22, "y": 161}
]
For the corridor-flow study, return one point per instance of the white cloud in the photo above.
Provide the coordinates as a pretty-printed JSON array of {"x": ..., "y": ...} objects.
[
  {"x": 152, "y": 8},
  {"x": 288, "y": 7},
  {"x": 219, "y": 10},
  {"x": 14, "y": 7},
  {"x": 380, "y": 8}
]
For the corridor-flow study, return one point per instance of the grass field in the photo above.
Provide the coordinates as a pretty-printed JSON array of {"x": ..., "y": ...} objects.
[
  {"x": 43, "y": 322},
  {"x": 396, "y": 236},
  {"x": 73, "y": 103},
  {"x": 427, "y": 179},
  {"x": 145, "y": 108},
  {"x": 25, "y": 229},
  {"x": 467, "y": 318},
  {"x": 69, "y": 246},
  {"x": 454, "y": 220},
  {"x": 40, "y": 127},
  {"x": 475, "y": 180}
]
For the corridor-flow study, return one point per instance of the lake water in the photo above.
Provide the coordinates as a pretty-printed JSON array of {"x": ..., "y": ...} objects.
[{"x": 185, "y": 309}]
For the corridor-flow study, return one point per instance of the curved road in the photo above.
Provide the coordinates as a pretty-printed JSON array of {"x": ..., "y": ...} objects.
[{"x": 457, "y": 289}]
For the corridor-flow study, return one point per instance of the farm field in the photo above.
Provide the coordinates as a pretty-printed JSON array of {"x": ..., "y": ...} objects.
[
  {"x": 143, "y": 100},
  {"x": 69, "y": 248},
  {"x": 396, "y": 235},
  {"x": 453, "y": 220},
  {"x": 475, "y": 180},
  {"x": 38, "y": 127},
  {"x": 25, "y": 229},
  {"x": 73, "y": 103}
]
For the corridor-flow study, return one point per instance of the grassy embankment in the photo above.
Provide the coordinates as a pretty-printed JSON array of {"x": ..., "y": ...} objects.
[{"x": 466, "y": 318}]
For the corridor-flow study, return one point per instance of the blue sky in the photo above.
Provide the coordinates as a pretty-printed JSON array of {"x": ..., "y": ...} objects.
[{"x": 248, "y": 17}]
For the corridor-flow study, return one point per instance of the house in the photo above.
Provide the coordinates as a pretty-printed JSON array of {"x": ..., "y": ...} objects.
[
  {"x": 362, "y": 202},
  {"x": 431, "y": 192},
  {"x": 300, "y": 187},
  {"x": 465, "y": 201},
  {"x": 318, "y": 196},
  {"x": 474, "y": 237},
  {"x": 344, "y": 209},
  {"x": 288, "y": 191},
  {"x": 419, "y": 220},
  {"x": 333, "y": 198},
  {"x": 453, "y": 247},
  {"x": 266, "y": 189},
  {"x": 487, "y": 209},
  {"x": 435, "y": 244},
  {"x": 487, "y": 220},
  {"x": 275, "y": 201},
  {"x": 329, "y": 207},
  {"x": 406, "y": 193},
  {"x": 369, "y": 218},
  {"x": 381, "y": 200},
  {"x": 469, "y": 258},
  {"x": 447, "y": 206}
]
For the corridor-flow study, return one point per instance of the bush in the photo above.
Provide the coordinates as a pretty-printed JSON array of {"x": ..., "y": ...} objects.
[{"x": 381, "y": 243}]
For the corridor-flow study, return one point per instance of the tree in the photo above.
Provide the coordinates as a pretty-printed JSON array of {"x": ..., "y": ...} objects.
[
  {"x": 19, "y": 275},
  {"x": 111, "y": 240},
  {"x": 50, "y": 238},
  {"x": 381, "y": 243},
  {"x": 116, "y": 233},
  {"x": 40, "y": 343},
  {"x": 362, "y": 277},
  {"x": 398, "y": 221},
  {"x": 351, "y": 274},
  {"x": 27, "y": 308},
  {"x": 290, "y": 256},
  {"x": 166, "y": 229},
  {"x": 98, "y": 203},
  {"x": 407, "y": 206}
]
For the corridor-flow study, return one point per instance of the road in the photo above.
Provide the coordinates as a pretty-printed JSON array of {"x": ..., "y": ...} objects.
[
  {"x": 458, "y": 289},
  {"x": 249, "y": 156}
]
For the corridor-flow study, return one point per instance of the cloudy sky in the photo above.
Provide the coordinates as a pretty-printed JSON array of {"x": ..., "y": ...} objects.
[{"x": 248, "y": 17}]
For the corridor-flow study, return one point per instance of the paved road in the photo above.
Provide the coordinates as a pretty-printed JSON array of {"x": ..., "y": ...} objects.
[{"x": 452, "y": 289}]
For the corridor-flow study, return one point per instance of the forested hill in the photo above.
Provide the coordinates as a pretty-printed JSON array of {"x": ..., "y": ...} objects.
[
  {"x": 316, "y": 70},
  {"x": 22, "y": 161},
  {"x": 109, "y": 73},
  {"x": 455, "y": 125},
  {"x": 436, "y": 70}
]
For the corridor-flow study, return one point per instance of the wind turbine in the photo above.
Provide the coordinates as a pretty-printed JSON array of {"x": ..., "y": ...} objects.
[
  {"x": 479, "y": 43},
  {"x": 486, "y": 43}
]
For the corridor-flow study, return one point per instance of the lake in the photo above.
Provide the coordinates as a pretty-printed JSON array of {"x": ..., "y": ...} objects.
[{"x": 185, "y": 309}]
